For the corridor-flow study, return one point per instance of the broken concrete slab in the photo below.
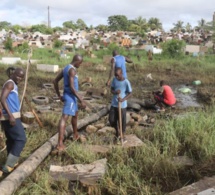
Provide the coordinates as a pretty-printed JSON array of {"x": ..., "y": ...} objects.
[
  {"x": 91, "y": 129},
  {"x": 99, "y": 149},
  {"x": 105, "y": 130},
  {"x": 210, "y": 191},
  {"x": 100, "y": 125},
  {"x": 75, "y": 172},
  {"x": 182, "y": 161},
  {"x": 195, "y": 188},
  {"x": 48, "y": 68},
  {"x": 132, "y": 141},
  {"x": 10, "y": 60}
]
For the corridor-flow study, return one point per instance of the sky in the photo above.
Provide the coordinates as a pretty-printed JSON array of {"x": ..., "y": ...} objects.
[{"x": 28, "y": 12}]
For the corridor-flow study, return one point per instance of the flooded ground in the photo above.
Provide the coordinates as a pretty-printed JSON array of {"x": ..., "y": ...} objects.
[{"x": 186, "y": 100}]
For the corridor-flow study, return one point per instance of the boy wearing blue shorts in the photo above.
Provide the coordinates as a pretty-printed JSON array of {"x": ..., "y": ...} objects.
[{"x": 70, "y": 97}]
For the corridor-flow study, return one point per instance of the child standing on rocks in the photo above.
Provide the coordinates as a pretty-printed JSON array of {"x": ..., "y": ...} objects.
[{"x": 121, "y": 90}]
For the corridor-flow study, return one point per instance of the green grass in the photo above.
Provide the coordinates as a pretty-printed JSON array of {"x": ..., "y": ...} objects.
[{"x": 144, "y": 170}]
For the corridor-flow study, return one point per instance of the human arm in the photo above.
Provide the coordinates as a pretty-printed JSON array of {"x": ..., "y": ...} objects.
[
  {"x": 56, "y": 86},
  {"x": 72, "y": 74},
  {"x": 159, "y": 91},
  {"x": 111, "y": 71},
  {"x": 8, "y": 87},
  {"x": 128, "y": 60}
]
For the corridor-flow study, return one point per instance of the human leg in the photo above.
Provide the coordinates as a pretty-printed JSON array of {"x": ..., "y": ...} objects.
[
  {"x": 113, "y": 119},
  {"x": 74, "y": 122},
  {"x": 16, "y": 140},
  {"x": 61, "y": 131}
]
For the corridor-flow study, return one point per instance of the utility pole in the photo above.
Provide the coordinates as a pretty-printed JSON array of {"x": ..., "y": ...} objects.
[{"x": 48, "y": 18}]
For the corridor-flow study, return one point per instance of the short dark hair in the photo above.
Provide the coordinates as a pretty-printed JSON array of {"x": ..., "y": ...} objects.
[{"x": 162, "y": 82}]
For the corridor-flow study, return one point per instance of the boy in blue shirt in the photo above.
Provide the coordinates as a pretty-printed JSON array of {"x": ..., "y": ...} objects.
[
  {"x": 70, "y": 97},
  {"x": 119, "y": 87}
]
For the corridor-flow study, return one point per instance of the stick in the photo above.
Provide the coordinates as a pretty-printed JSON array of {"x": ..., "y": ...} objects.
[
  {"x": 120, "y": 119},
  {"x": 34, "y": 113},
  {"x": 26, "y": 77}
]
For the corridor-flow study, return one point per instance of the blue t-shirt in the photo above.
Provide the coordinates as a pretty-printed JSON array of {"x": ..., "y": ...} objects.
[
  {"x": 67, "y": 90},
  {"x": 120, "y": 62},
  {"x": 125, "y": 88},
  {"x": 12, "y": 99}
]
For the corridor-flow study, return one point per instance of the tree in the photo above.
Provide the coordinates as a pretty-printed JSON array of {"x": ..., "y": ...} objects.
[
  {"x": 102, "y": 27},
  {"x": 202, "y": 23},
  {"x": 118, "y": 22},
  {"x": 16, "y": 28},
  {"x": 141, "y": 22},
  {"x": 154, "y": 24},
  {"x": 178, "y": 26},
  {"x": 41, "y": 28},
  {"x": 173, "y": 48},
  {"x": 188, "y": 27},
  {"x": 70, "y": 24},
  {"x": 5, "y": 25},
  {"x": 81, "y": 24}
]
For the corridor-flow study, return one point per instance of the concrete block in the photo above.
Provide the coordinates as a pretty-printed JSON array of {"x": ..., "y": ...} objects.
[
  {"x": 193, "y": 48},
  {"x": 10, "y": 60},
  {"x": 47, "y": 68}
]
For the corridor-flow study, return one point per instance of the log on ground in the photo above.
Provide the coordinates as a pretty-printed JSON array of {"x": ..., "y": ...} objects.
[{"x": 10, "y": 184}]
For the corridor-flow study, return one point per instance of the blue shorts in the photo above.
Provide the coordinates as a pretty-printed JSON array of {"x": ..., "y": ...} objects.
[{"x": 70, "y": 105}]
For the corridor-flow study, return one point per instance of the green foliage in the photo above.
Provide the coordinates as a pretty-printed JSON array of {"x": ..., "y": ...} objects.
[
  {"x": 5, "y": 25},
  {"x": 58, "y": 43},
  {"x": 102, "y": 27},
  {"x": 41, "y": 28},
  {"x": 154, "y": 24},
  {"x": 23, "y": 48},
  {"x": 173, "y": 48},
  {"x": 70, "y": 25},
  {"x": 118, "y": 22},
  {"x": 81, "y": 24},
  {"x": 8, "y": 44}
]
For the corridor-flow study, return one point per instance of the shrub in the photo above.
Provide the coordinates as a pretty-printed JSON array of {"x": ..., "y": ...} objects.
[
  {"x": 173, "y": 48},
  {"x": 8, "y": 44},
  {"x": 58, "y": 43}
]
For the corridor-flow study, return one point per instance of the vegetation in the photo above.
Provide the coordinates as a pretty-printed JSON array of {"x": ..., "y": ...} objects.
[
  {"x": 144, "y": 170},
  {"x": 8, "y": 44}
]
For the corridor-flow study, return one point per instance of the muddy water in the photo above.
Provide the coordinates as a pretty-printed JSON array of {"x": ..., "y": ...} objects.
[{"x": 185, "y": 100}]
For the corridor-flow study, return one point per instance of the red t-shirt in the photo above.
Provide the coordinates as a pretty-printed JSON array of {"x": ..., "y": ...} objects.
[{"x": 168, "y": 95}]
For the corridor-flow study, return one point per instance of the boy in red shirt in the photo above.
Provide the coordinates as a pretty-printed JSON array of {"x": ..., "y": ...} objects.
[{"x": 164, "y": 96}]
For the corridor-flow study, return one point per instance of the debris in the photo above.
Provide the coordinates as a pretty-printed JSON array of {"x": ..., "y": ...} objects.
[
  {"x": 148, "y": 77},
  {"x": 106, "y": 130},
  {"x": 101, "y": 68},
  {"x": 27, "y": 117},
  {"x": 40, "y": 100},
  {"x": 133, "y": 106},
  {"x": 135, "y": 116},
  {"x": 94, "y": 171},
  {"x": 182, "y": 161},
  {"x": 48, "y": 86},
  {"x": 91, "y": 129},
  {"x": 100, "y": 125},
  {"x": 185, "y": 90},
  {"x": 197, "y": 82}
]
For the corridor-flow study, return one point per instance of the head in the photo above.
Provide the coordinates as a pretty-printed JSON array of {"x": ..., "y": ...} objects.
[
  {"x": 77, "y": 60},
  {"x": 162, "y": 83},
  {"x": 18, "y": 75},
  {"x": 115, "y": 53},
  {"x": 118, "y": 73}
]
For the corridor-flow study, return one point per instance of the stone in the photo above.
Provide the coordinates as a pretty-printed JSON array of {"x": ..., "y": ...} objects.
[
  {"x": 101, "y": 68},
  {"x": 83, "y": 139},
  {"x": 135, "y": 116},
  {"x": 98, "y": 149},
  {"x": 106, "y": 130},
  {"x": 144, "y": 118},
  {"x": 91, "y": 129},
  {"x": 132, "y": 141},
  {"x": 99, "y": 126}
]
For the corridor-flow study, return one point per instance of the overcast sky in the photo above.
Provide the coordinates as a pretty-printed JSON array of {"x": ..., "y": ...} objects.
[{"x": 27, "y": 12}]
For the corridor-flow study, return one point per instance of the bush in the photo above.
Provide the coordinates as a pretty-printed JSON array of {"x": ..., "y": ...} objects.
[
  {"x": 173, "y": 48},
  {"x": 58, "y": 43},
  {"x": 8, "y": 44}
]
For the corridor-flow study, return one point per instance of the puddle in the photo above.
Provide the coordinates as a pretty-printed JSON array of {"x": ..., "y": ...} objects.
[{"x": 185, "y": 100}]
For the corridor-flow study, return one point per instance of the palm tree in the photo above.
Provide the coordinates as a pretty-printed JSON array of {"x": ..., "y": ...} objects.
[
  {"x": 188, "y": 27},
  {"x": 141, "y": 22},
  {"x": 155, "y": 24},
  {"x": 178, "y": 25},
  {"x": 202, "y": 23}
]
